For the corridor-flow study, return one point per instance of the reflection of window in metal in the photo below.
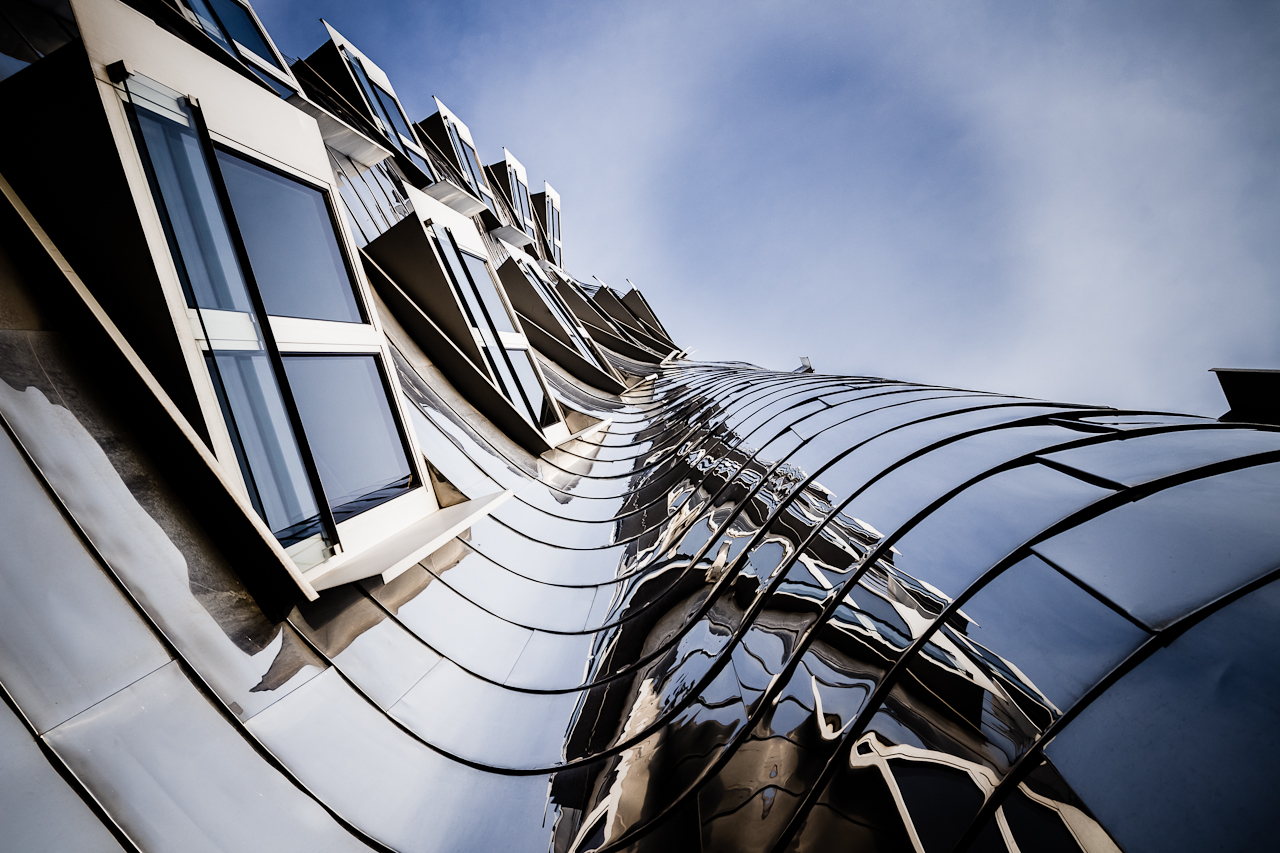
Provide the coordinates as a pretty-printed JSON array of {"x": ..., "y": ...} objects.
[
  {"x": 505, "y": 348},
  {"x": 315, "y": 436},
  {"x": 236, "y": 29}
]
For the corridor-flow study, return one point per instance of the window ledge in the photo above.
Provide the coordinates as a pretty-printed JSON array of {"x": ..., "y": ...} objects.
[
  {"x": 459, "y": 199},
  {"x": 397, "y": 553}
]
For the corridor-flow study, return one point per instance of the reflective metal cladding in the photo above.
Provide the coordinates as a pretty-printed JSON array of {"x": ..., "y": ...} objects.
[{"x": 338, "y": 515}]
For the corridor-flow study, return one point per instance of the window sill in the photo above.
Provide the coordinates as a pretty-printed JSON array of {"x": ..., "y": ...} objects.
[{"x": 397, "y": 553}]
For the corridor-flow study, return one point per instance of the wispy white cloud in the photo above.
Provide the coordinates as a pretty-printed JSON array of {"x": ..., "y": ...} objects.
[{"x": 1072, "y": 200}]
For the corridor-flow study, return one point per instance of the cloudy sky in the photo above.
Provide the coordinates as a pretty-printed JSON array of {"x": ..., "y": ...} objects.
[{"x": 1078, "y": 201}]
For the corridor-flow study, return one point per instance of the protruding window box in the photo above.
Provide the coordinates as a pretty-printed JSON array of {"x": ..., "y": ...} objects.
[
  {"x": 341, "y": 136},
  {"x": 406, "y": 272},
  {"x": 553, "y": 330},
  {"x": 391, "y": 556}
]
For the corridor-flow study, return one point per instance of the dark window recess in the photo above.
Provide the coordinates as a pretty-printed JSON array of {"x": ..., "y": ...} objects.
[
  {"x": 289, "y": 235},
  {"x": 540, "y": 406},
  {"x": 358, "y": 444},
  {"x": 30, "y": 31}
]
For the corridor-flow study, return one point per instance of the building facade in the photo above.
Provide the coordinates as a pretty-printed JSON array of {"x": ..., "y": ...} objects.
[{"x": 337, "y": 514}]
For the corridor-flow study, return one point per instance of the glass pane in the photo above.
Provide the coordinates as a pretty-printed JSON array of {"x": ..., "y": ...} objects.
[
  {"x": 241, "y": 27},
  {"x": 266, "y": 447},
  {"x": 1165, "y": 555},
  {"x": 466, "y": 294},
  {"x": 544, "y": 413},
  {"x": 366, "y": 86},
  {"x": 420, "y": 163},
  {"x": 292, "y": 246},
  {"x": 1180, "y": 753},
  {"x": 352, "y": 432},
  {"x": 197, "y": 230},
  {"x": 473, "y": 164},
  {"x": 488, "y": 293},
  {"x": 392, "y": 111},
  {"x": 459, "y": 145}
]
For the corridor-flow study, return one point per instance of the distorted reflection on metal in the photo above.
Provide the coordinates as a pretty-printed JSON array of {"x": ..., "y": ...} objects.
[{"x": 574, "y": 591}]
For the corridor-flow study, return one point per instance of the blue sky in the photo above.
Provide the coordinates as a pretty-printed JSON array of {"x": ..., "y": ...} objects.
[{"x": 1077, "y": 201}]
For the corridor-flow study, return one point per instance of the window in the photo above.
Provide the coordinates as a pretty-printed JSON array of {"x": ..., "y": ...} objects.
[
  {"x": 561, "y": 312},
  {"x": 233, "y": 26},
  {"x": 293, "y": 249},
  {"x": 388, "y": 116},
  {"x": 504, "y": 347},
  {"x": 358, "y": 445},
  {"x": 241, "y": 27},
  {"x": 471, "y": 170},
  {"x": 297, "y": 371},
  {"x": 520, "y": 198}
]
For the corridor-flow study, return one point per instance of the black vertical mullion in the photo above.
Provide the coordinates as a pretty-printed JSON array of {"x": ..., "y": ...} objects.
[{"x": 273, "y": 351}]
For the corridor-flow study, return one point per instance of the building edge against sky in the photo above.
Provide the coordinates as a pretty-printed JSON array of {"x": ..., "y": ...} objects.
[{"x": 339, "y": 515}]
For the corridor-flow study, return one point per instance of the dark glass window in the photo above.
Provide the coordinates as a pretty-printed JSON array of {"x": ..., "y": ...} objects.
[
  {"x": 289, "y": 235},
  {"x": 540, "y": 406},
  {"x": 392, "y": 110},
  {"x": 357, "y": 443},
  {"x": 488, "y": 292},
  {"x": 239, "y": 25}
]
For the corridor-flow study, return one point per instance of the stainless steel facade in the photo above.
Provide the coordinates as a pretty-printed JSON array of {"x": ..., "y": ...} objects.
[{"x": 558, "y": 588}]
